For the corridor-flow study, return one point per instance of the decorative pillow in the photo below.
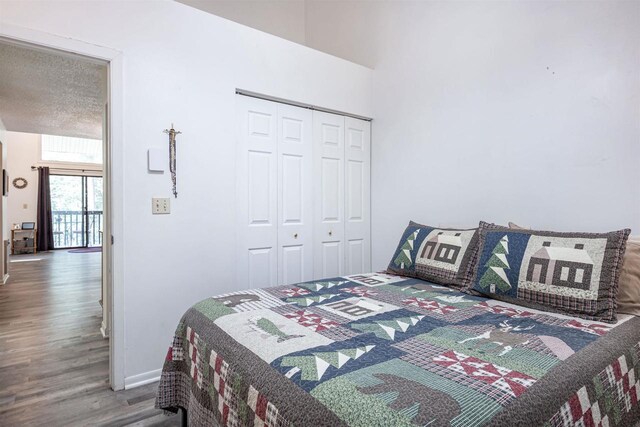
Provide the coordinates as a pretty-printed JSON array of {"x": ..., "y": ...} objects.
[
  {"x": 572, "y": 273},
  {"x": 628, "y": 300},
  {"x": 440, "y": 255},
  {"x": 517, "y": 227},
  {"x": 629, "y": 285}
]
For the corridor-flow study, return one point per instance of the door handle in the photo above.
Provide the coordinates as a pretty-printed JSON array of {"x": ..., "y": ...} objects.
[
  {"x": 330, "y": 233},
  {"x": 295, "y": 236}
]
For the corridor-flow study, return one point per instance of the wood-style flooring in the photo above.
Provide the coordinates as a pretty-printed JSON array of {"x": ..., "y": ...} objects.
[{"x": 53, "y": 359}]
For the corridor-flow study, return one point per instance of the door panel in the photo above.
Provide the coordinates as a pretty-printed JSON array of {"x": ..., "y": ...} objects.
[
  {"x": 356, "y": 257},
  {"x": 261, "y": 267},
  {"x": 332, "y": 134},
  {"x": 332, "y": 257},
  {"x": 292, "y": 264},
  {"x": 330, "y": 189},
  {"x": 355, "y": 190},
  {"x": 328, "y": 135},
  {"x": 261, "y": 125},
  {"x": 293, "y": 128},
  {"x": 260, "y": 188},
  {"x": 295, "y": 164},
  {"x": 257, "y": 193},
  {"x": 355, "y": 136},
  {"x": 358, "y": 195},
  {"x": 292, "y": 189}
]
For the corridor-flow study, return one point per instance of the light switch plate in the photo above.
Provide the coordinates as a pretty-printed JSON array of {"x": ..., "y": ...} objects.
[
  {"x": 156, "y": 160},
  {"x": 160, "y": 205}
]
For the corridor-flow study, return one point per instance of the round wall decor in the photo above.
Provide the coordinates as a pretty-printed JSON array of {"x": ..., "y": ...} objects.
[{"x": 20, "y": 183}]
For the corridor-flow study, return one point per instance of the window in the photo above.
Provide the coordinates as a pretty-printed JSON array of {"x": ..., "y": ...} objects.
[
  {"x": 76, "y": 205},
  {"x": 70, "y": 150}
]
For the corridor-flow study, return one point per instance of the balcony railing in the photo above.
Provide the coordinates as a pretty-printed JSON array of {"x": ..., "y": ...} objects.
[{"x": 69, "y": 229}]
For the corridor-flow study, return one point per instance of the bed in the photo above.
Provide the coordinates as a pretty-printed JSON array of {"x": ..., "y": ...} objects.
[{"x": 380, "y": 349}]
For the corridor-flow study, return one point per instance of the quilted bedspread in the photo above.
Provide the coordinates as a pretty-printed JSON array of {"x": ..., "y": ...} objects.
[{"x": 383, "y": 350}]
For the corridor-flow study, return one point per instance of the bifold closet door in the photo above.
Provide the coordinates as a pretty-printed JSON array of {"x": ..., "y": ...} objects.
[
  {"x": 328, "y": 138},
  {"x": 275, "y": 230},
  {"x": 257, "y": 192},
  {"x": 295, "y": 202},
  {"x": 357, "y": 196}
]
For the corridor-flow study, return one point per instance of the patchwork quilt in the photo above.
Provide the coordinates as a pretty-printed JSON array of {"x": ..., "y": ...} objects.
[{"x": 384, "y": 350}]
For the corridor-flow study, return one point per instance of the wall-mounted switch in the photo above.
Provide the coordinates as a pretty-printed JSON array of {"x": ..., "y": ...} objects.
[
  {"x": 156, "y": 160},
  {"x": 160, "y": 205}
]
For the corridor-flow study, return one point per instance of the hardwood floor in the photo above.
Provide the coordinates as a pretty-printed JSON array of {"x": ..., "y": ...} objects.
[{"x": 53, "y": 360}]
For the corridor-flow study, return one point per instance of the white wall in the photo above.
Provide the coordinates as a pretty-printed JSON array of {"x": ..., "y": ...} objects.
[
  {"x": 183, "y": 66},
  {"x": 22, "y": 153},
  {"x": 498, "y": 111}
]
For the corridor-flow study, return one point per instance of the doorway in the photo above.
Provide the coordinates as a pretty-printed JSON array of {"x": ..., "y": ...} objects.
[
  {"x": 82, "y": 214},
  {"x": 77, "y": 206}
]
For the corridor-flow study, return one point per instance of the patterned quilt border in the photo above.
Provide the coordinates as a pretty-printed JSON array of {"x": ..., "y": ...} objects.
[{"x": 596, "y": 386}]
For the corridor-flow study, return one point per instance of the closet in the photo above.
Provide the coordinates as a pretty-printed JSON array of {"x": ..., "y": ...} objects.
[{"x": 303, "y": 194}]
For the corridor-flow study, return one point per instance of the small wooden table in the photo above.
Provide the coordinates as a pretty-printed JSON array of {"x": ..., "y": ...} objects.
[{"x": 34, "y": 234}]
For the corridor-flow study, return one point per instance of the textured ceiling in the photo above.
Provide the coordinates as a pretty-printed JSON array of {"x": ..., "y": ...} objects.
[{"x": 50, "y": 93}]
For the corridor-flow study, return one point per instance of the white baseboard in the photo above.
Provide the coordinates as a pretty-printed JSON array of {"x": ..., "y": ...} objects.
[{"x": 142, "y": 379}]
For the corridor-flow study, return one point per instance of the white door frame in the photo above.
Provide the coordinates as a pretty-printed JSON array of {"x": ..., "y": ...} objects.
[{"x": 113, "y": 172}]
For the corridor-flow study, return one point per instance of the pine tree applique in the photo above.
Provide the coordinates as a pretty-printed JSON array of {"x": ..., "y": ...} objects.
[
  {"x": 495, "y": 276},
  {"x": 318, "y": 286},
  {"x": 308, "y": 301},
  {"x": 403, "y": 259},
  {"x": 313, "y": 367},
  {"x": 386, "y": 329}
]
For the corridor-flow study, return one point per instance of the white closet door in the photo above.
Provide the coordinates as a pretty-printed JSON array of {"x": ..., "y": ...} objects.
[
  {"x": 328, "y": 137},
  {"x": 257, "y": 186},
  {"x": 295, "y": 202},
  {"x": 357, "y": 196}
]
